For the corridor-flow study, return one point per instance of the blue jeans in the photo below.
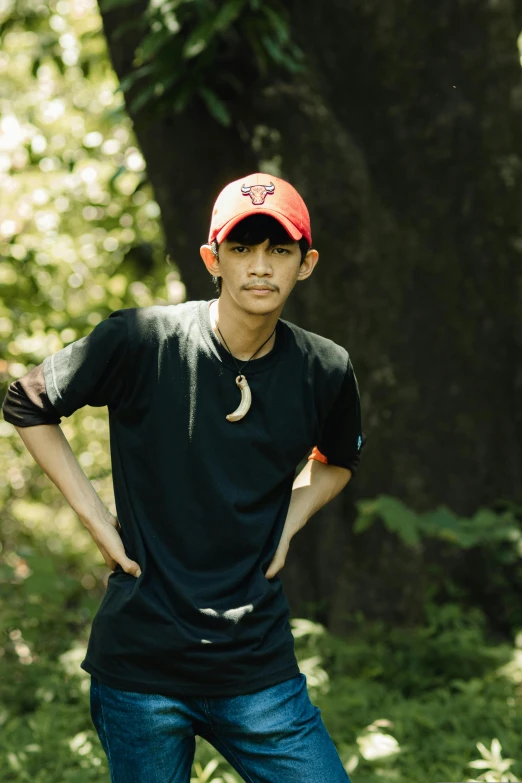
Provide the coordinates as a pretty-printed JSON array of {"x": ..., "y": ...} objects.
[{"x": 274, "y": 735}]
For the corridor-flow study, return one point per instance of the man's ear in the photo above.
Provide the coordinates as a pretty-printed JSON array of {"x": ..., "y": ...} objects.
[
  {"x": 309, "y": 262},
  {"x": 210, "y": 260}
]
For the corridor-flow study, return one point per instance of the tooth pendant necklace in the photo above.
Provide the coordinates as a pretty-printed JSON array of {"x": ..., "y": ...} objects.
[{"x": 241, "y": 381}]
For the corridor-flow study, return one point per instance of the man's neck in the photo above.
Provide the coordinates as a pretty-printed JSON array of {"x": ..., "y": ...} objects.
[{"x": 245, "y": 333}]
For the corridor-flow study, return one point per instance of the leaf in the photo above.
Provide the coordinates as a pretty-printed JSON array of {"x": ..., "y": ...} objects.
[
  {"x": 484, "y": 751},
  {"x": 152, "y": 44},
  {"x": 209, "y": 769},
  {"x": 295, "y": 61},
  {"x": 259, "y": 53},
  {"x": 215, "y": 106},
  {"x": 484, "y": 527},
  {"x": 362, "y": 523},
  {"x": 441, "y": 518},
  {"x": 278, "y": 23},
  {"x": 272, "y": 48},
  {"x": 399, "y": 519},
  {"x": 132, "y": 77},
  {"x": 167, "y": 81},
  {"x": 485, "y": 518},
  {"x": 496, "y": 749},
  {"x": 198, "y": 39},
  {"x": 367, "y": 514},
  {"x": 185, "y": 92},
  {"x": 143, "y": 98},
  {"x": 228, "y": 14}
]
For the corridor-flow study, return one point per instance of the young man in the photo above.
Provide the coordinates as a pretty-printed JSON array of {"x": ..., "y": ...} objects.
[{"x": 212, "y": 406}]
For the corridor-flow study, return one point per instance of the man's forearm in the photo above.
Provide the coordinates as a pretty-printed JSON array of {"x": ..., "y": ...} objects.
[
  {"x": 316, "y": 485},
  {"x": 52, "y": 451}
]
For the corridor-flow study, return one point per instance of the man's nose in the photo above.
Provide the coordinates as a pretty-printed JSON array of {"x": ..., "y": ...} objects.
[{"x": 261, "y": 262}]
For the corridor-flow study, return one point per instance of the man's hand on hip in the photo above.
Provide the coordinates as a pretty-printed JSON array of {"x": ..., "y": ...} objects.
[{"x": 107, "y": 539}]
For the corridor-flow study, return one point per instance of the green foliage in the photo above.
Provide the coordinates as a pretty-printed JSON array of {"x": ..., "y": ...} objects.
[
  {"x": 411, "y": 704},
  {"x": 403, "y": 704},
  {"x": 204, "y": 48},
  {"x": 474, "y": 560},
  {"x": 79, "y": 235},
  {"x": 484, "y": 527}
]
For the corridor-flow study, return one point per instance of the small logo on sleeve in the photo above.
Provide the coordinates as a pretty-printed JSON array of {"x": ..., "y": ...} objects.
[{"x": 359, "y": 441}]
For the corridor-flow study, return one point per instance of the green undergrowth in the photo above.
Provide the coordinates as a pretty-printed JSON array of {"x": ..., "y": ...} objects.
[
  {"x": 401, "y": 704},
  {"x": 410, "y": 705}
]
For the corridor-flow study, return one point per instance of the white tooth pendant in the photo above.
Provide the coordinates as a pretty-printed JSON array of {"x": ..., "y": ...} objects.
[{"x": 246, "y": 399}]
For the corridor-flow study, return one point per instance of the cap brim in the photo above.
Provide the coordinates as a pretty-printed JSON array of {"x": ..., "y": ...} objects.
[{"x": 287, "y": 225}]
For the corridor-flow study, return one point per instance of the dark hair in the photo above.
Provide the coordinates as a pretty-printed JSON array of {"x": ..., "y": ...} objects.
[{"x": 255, "y": 229}]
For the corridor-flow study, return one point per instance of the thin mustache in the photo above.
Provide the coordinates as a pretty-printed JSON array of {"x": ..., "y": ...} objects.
[{"x": 261, "y": 285}]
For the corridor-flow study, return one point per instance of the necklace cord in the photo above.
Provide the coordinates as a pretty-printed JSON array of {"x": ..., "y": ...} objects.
[{"x": 232, "y": 355}]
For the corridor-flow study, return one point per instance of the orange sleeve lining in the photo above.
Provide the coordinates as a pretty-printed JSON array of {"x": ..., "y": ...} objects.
[{"x": 316, "y": 454}]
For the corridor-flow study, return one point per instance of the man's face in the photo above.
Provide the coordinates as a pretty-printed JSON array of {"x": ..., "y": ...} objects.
[{"x": 260, "y": 277}]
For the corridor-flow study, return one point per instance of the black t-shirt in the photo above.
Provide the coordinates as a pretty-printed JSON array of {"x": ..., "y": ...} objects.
[{"x": 201, "y": 500}]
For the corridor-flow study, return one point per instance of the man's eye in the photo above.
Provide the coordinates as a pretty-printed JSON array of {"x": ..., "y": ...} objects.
[
  {"x": 238, "y": 248},
  {"x": 281, "y": 250}
]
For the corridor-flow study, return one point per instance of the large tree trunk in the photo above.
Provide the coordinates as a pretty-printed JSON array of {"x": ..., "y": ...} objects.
[{"x": 404, "y": 139}]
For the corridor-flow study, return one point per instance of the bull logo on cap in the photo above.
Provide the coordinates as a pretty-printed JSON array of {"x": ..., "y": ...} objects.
[{"x": 257, "y": 193}]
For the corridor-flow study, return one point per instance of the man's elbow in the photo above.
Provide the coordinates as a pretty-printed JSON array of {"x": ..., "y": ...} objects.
[
  {"x": 341, "y": 475},
  {"x": 345, "y": 474}
]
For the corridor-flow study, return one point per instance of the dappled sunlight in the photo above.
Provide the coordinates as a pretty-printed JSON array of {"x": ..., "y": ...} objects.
[
  {"x": 512, "y": 671},
  {"x": 317, "y": 677},
  {"x": 301, "y": 627},
  {"x": 21, "y": 647},
  {"x": 59, "y": 526},
  {"x": 76, "y": 199},
  {"x": 306, "y": 631},
  {"x": 376, "y": 745},
  {"x": 71, "y": 660}
]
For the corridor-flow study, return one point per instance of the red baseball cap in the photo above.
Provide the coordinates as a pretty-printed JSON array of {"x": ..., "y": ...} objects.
[{"x": 260, "y": 194}]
